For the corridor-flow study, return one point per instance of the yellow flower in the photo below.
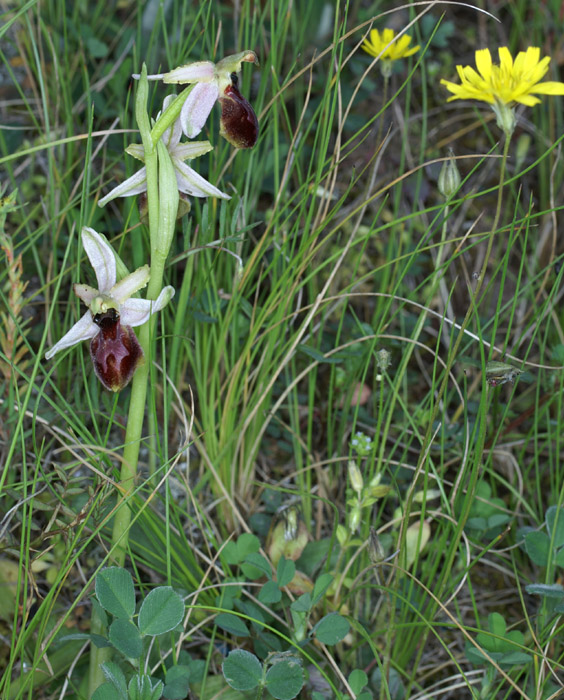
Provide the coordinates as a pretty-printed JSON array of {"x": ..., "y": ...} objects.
[
  {"x": 378, "y": 42},
  {"x": 506, "y": 83}
]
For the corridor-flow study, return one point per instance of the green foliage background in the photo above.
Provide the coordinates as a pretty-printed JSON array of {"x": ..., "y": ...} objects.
[{"x": 267, "y": 359}]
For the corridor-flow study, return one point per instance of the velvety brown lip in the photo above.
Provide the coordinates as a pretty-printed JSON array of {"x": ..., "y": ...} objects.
[
  {"x": 239, "y": 123},
  {"x": 115, "y": 351}
]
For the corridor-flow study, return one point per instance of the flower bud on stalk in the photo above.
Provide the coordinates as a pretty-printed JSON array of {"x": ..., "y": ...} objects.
[
  {"x": 354, "y": 519},
  {"x": 357, "y": 482},
  {"x": 449, "y": 177}
]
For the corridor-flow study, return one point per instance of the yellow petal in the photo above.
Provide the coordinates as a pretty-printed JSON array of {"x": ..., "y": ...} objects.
[
  {"x": 505, "y": 60},
  {"x": 520, "y": 65},
  {"x": 375, "y": 37},
  {"x": 474, "y": 78},
  {"x": 540, "y": 70},
  {"x": 548, "y": 88},
  {"x": 402, "y": 43},
  {"x": 527, "y": 100},
  {"x": 387, "y": 36},
  {"x": 401, "y": 48},
  {"x": 369, "y": 48},
  {"x": 531, "y": 58},
  {"x": 484, "y": 62}
]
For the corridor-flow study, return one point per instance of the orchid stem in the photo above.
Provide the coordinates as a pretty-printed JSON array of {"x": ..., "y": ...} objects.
[{"x": 162, "y": 202}]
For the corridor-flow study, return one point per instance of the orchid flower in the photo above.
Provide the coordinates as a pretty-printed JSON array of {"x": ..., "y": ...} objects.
[
  {"x": 188, "y": 180},
  {"x": 213, "y": 82},
  {"x": 111, "y": 315}
]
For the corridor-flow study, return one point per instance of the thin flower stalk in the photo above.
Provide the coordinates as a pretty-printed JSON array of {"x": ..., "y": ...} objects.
[{"x": 500, "y": 87}]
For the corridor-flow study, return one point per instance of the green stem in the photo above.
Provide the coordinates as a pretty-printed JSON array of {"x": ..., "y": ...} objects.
[
  {"x": 473, "y": 308},
  {"x": 162, "y": 202},
  {"x": 137, "y": 402},
  {"x": 441, "y": 247},
  {"x": 381, "y": 120}
]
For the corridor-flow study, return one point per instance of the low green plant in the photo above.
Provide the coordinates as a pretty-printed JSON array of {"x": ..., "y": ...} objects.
[
  {"x": 132, "y": 634},
  {"x": 281, "y": 675},
  {"x": 488, "y": 514},
  {"x": 546, "y": 550},
  {"x": 244, "y": 554},
  {"x": 503, "y": 647}
]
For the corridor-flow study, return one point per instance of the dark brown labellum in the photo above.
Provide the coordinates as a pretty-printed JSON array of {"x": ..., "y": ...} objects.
[
  {"x": 115, "y": 351},
  {"x": 239, "y": 123}
]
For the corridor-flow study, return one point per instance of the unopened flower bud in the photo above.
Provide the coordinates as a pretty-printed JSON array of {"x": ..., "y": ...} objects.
[
  {"x": 239, "y": 123},
  {"x": 115, "y": 351},
  {"x": 375, "y": 481},
  {"x": 449, "y": 177},
  {"x": 342, "y": 535},
  {"x": 357, "y": 482},
  {"x": 375, "y": 549},
  {"x": 354, "y": 519},
  {"x": 375, "y": 488},
  {"x": 291, "y": 521}
]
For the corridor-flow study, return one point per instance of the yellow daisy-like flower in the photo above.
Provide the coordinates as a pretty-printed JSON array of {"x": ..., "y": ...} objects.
[
  {"x": 506, "y": 83},
  {"x": 378, "y": 42}
]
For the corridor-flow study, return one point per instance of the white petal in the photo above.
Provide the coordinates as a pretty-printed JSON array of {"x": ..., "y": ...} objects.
[
  {"x": 84, "y": 329},
  {"x": 166, "y": 103},
  {"x": 193, "y": 184},
  {"x": 129, "y": 285},
  {"x": 85, "y": 293},
  {"x": 164, "y": 297},
  {"x": 155, "y": 76},
  {"x": 171, "y": 136},
  {"x": 137, "y": 151},
  {"x": 198, "y": 72},
  {"x": 134, "y": 312},
  {"x": 101, "y": 258},
  {"x": 133, "y": 185},
  {"x": 197, "y": 107},
  {"x": 183, "y": 151}
]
